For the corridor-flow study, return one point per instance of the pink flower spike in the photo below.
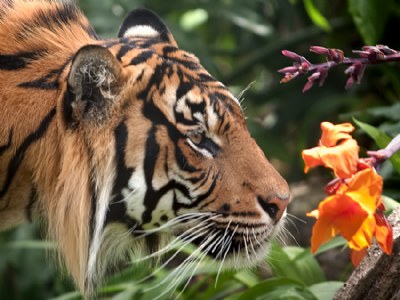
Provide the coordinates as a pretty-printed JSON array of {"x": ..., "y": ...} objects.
[
  {"x": 349, "y": 83},
  {"x": 363, "y": 54},
  {"x": 323, "y": 75},
  {"x": 319, "y": 50},
  {"x": 336, "y": 55},
  {"x": 292, "y": 55},
  {"x": 307, "y": 86},
  {"x": 386, "y": 50},
  {"x": 289, "y": 77},
  {"x": 290, "y": 70},
  {"x": 311, "y": 79}
]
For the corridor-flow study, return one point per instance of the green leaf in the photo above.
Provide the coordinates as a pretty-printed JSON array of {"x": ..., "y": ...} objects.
[
  {"x": 278, "y": 288},
  {"x": 337, "y": 241},
  {"x": 381, "y": 139},
  {"x": 316, "y": 16},
  {"x": 295, "y": 263},
  {"x": 247, "y": 277},
  {"x": 390, "y": 204},
  {"x": 325, "y": 290},
  {"x": 370, "y": 18},
  {"x": 68, "y": 296},
  {"x": 193, "y": 18},
  {"x": 37, "y": 245}
]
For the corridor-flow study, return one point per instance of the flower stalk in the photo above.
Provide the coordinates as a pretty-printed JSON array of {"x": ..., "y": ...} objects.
[{"x": 334, "y": 57}]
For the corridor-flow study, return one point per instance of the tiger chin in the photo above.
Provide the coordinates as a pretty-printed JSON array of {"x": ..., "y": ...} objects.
[{"x": 125, "y": 145}]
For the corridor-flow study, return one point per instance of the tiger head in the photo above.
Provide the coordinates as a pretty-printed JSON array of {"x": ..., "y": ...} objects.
[{"x": 171, "y": 158}]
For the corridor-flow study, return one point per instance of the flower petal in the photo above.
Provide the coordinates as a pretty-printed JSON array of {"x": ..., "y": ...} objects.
[
  {"x": 342, "y": 159},
  {"x": 333, "y": 218},
  {"x": 362, "y": 238},
  {"x": 331, "y": 133},
  {"x": 357, "y": 256},
  {"x": 366, "y": 188},
  {"x": 383, "y": 233}
]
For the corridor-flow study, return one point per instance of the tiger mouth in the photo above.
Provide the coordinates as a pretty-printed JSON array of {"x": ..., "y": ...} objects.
[{"x": 224, "y": 240}]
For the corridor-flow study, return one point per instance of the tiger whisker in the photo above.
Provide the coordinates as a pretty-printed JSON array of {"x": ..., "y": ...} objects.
[
  {"x": 196, "y": 263},
  {"x": 296, "y": 218},
  {"x": 240, "y": 97},
  {"x": 252, "y": 246},
  {"x": 223, "y": 238},
  {"x": 125, "y": 234},
  {"x": 255, "y": 237},
  {"x": 182, "y": 238},
  {"x": 133, "y": 191},
  {"x": 286, "y": 232},
  {"x": 192, "y": 217},
  {"x": 203, "y": 255},
  {"x": 185, "y": 243},
  {"x": 227, "y": 245},
  {"x": 186, "y": 261},
  {"x": 245, "y": 246}
]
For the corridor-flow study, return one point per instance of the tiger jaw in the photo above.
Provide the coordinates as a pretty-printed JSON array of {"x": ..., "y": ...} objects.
[{"x": 236, "y": 244}]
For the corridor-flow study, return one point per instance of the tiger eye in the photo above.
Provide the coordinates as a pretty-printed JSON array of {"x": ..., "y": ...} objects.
[{"x": 196, "y": 137}]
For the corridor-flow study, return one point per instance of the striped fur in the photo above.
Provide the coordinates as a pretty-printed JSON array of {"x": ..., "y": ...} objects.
[{"x": 118, "y": 145}]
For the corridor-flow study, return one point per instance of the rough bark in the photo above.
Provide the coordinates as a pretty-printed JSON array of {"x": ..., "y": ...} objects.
[{"x": 378, "y": 275}]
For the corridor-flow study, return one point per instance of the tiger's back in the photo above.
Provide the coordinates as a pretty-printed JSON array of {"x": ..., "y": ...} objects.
[{"x": 107, "y": 139}]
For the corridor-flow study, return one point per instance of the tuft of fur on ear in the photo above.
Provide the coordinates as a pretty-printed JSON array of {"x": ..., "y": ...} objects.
[
  {"x": 93, "y": 83},
  {"x": 147, "y": 24}
]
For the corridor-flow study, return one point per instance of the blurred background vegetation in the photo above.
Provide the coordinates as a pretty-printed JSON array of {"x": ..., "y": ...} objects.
[{"x": 239, "y": 42}]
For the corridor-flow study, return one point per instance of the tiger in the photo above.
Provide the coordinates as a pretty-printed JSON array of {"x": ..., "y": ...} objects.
[{"x": 121, "y": 146}]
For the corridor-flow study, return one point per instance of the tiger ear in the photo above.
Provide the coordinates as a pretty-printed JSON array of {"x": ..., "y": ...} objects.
[
  {"x": 145, "y": 23},
  {"x": 93, "y": 83}
]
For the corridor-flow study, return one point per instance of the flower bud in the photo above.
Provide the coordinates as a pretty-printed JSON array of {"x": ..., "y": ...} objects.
[
  {"x": 319, "y": 50},
  {"x": 290, "y": 70},
  {"x": 291, "y": 55}
]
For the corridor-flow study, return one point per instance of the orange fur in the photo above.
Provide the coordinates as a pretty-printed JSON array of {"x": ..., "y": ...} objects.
[{"x": 99, "y": 137}]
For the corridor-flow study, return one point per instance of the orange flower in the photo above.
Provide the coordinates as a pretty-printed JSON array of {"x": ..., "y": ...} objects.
[
  {"x": 353, "y": 207},
  {"x": 337, "y": 150},
  {"x": 352, "y": 212}
]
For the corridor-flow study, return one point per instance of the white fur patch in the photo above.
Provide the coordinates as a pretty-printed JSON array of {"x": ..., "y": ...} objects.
[
  {"x": 212, "y": 118},
  {"x": 141, "y": 31},
  {"x": 104, "y": 186},
  {"x": 134, "y": 197}
]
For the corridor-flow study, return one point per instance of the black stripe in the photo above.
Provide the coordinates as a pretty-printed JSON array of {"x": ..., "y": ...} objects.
[
  {"x": 32, "y": 201},
  {"x": 44, "y": 82},
  {"x": 154, "y": 114},
  {"x": 93, "y": 208},
  {"x": 3, "y": 148},
  {"x": 65, "y": 14},
  {"x": 123, "y": 50},
  {"x": 188, "y": 63},
  {"x": 141, "y": 58},
  {"x": 152, "y": 197},
  {"x": 184, "y": 86},
  {"x": 152, "y": 151},
  {"x": 117, "y": 209},
  {"x": 15, "y": 162},
  {"x": 206, "y": 195},
  {"x": 182, "y": 162},
  {"x": 204, "y": 78},
  {"x": 19, "y": 60}
]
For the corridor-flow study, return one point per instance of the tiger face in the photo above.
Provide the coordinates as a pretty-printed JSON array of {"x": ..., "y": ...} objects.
[
  {"x": 185, "y": 163},
  {"x": 125, "y": 145}
]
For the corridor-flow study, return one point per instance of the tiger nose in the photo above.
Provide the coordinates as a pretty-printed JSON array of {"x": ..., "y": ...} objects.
[{"x": 274, "y": 206}]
